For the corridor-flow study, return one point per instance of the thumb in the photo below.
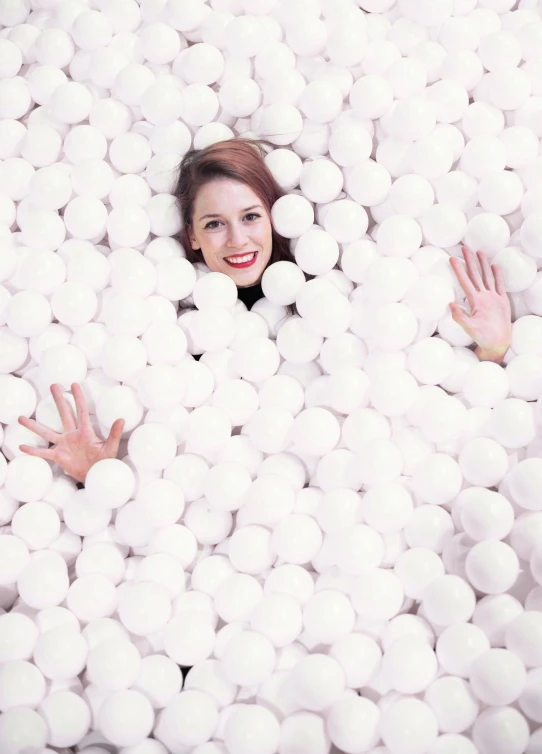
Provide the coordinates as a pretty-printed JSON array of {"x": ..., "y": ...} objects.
[
  {"x": 458, "y": 315},
  {"x": 111, "y": 445}
]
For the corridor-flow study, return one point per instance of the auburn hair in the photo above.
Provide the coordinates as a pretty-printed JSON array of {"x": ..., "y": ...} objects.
[{"x": 239, "y": 159}]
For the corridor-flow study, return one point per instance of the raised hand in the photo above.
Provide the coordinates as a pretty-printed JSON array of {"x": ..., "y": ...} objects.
[
  {"x": 490, "y": 321},
  {"x": 78, "y": 447}
]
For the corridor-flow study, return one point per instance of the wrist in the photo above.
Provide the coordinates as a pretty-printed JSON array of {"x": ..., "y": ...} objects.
[{"x": 496, "y": 354}]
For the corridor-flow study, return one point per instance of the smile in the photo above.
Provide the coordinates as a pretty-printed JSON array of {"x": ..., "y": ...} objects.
[{"x": 242, "y": 260}]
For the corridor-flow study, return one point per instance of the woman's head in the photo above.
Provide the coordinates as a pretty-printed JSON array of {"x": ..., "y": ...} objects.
[{"x": 225, "y": 193}]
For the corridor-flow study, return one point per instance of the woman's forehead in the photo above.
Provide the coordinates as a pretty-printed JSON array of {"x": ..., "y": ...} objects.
[{"x": 223, "y": 196}]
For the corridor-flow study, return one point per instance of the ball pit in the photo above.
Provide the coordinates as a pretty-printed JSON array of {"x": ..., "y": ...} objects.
[{"x": 331, "y": 522}]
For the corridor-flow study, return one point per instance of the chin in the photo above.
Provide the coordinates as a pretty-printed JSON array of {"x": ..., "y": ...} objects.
[{"x": 243, "y": 281}]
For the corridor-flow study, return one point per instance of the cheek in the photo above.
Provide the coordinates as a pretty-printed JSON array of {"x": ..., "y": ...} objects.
[
  {"x": 209, "y": 251},
  {"x": 210, "y": 260},
  {"x": 264, "y": 236},
  {"x": 268, "y": 242}
]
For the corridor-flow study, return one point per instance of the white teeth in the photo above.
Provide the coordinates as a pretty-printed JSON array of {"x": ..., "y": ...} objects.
[{"x": 241, "y": 260}]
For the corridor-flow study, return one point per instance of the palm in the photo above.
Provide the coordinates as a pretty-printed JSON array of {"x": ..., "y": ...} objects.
[
  {"x": 78, "y": 447},
  {"x": 489, "y": 323},
  {"x": 78, "y": 450}
]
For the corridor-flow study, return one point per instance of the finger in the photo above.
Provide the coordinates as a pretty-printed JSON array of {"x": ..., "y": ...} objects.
[
  {"x": 499, "y": 280},
  {"x": 111, "y": 445},
  {"x": 472, "y": 269},
  {"x": 64, "y": 409},
  {"x": 40, "y": 429},
  {"x": 83, "y": 417},
  {"x": 49, "y": 454},
  {"x": 487, "y": 275},
  {"x": 464, "y": 281}
]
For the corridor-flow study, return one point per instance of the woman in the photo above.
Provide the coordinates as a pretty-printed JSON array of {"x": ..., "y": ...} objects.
[{"x": 225, "y": 194}]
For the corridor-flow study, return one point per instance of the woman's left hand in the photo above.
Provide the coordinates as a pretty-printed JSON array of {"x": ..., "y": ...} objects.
[{"x": 490, "y": 321}]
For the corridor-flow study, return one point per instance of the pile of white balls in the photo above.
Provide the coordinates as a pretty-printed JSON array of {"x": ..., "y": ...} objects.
[{"x": 335, "y": 517}]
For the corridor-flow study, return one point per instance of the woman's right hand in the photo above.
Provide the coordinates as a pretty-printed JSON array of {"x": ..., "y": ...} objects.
[
  {"x": 489, "y": 323},
  {"x": 78, "y": 447}
]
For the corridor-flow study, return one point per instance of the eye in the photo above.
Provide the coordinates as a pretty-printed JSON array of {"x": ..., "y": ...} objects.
[
  {"x": 211, "y": 225},
  {"x": 252, "y": 216}
]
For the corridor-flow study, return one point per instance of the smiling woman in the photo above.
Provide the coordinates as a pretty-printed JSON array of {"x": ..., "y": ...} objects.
[{"x": 225, "y": 193}]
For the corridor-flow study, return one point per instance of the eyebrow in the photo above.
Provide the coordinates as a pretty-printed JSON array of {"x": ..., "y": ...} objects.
[{"x": 254, "y": 206}]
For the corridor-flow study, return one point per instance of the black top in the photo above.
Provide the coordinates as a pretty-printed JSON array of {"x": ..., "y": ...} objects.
[{"x": 250, "y": 295}]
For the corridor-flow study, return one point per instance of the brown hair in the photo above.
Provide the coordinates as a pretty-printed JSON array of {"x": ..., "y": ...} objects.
[{"x": 238, "y": 159}]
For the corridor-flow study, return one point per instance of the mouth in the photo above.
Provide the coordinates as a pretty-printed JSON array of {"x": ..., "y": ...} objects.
[{"x": 241, "y": 261}]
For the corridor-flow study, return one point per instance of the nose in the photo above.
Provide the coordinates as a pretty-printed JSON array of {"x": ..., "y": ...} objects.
[{"x": 237, "y": 236}]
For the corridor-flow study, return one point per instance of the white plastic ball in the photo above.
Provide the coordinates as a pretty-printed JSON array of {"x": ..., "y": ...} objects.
[
  {"x": 368, "y": 183},
  {"x": 127, "y": 718},
  {"x": 512, "y": 423},
  {"x": 109, "y": 483},
  {"x": 36, "y": 524},
  {"x": 328, "y": 616},
  {"x": 456, "y": 717},
  {"x": 61, "y": 653},
  {"x": 483, "y": 462},
  {"x": 297, "y": 539},
  {"x": 251, "y": 729},
  {"x": 371, "y": 96},
  {"x": 21, "y": 685},
  {"x": 409, "y": 717},
  {"x": 28, "y": 479},
  {"x": 43, "y": 582},
  {"x": 485, "y": 515},
  {"x": 488, "y": 731},
  {"x": 248, "y": 658},
  {"x": 379, "y": 598},
  {"x": 448, "y": 600},
  {"x": 416, "y": 568},
  {"x": 522, "y": 636},
  {"x": 497, "y": 677},
  {"x": 280, "y": 123},
  {"x": 68, "y": 717},
  {"x": 350, "y": 143},
  {"x": 22, "y": 727},
  {"x": 410, "y": 665},
  {"x": 152, "y": 446},
  {"x": 321, "y": 181},
  {"x": 353, "y": 722},
  {"x": 492, "y": 567},
  {"x": 292, "y": 216},
  {"x": 281, "y": 282},
  {"x": 317, "y": 681}
]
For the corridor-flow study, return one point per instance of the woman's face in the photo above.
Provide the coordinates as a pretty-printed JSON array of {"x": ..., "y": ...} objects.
[{"x": 233, "y": 229}]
